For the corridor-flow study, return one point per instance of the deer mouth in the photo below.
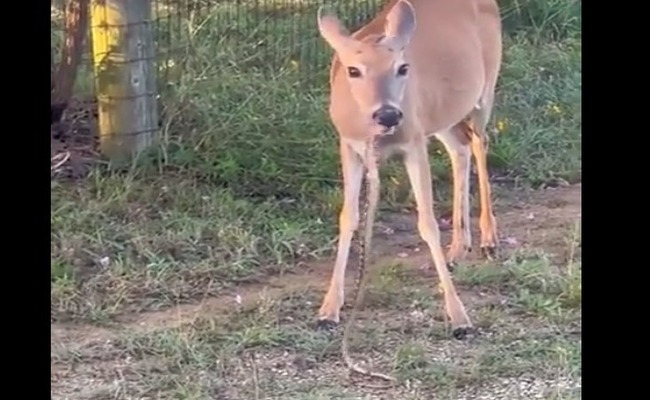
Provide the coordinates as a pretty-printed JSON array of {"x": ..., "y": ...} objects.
[
  {"x": 387, "y": 131},
  {"x": 378, "y": 130}
]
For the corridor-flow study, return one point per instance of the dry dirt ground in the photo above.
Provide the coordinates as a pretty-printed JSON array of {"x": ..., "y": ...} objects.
[
  {"x": 258, "y": 341},
  {"x": 73, "y": 140}
]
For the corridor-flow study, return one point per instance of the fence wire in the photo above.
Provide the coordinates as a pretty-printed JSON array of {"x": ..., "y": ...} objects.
[
  {"x": 262, "y": 36},
  {"x": 252, "y": 34},
  {"x": 246, "y": 34}
]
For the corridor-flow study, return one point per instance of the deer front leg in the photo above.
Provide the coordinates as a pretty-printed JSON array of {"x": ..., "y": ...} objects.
[
  {"x": 352, "y": 168},
  {"x": 418, "y": 169}
]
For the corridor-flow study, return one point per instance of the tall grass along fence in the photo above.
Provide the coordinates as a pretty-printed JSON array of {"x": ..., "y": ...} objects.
[
  {"x": 131, "y": 72},
  {"x": 121, "y": 59}
]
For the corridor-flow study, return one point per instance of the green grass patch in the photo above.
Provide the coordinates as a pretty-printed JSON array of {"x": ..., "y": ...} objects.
[
  {"x": 245, "y": 180},
  {"x": 245, "y": 183},
  {"x": 271, "y": 346}
]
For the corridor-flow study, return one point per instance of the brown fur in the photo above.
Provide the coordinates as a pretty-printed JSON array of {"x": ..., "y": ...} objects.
[{"x": 453, "y": 51}]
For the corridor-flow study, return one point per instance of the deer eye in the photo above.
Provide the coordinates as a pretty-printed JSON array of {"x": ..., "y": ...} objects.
[
  {"x": 353, "y": 72},
  {"x": 403, "y": 70}
]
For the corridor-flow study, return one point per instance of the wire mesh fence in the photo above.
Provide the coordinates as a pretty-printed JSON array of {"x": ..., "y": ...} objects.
[
  {"x": 266, "y": 37},
  {"x": 253, "y": 34},
  {"x": 250, "y": 34},
  {"x": 238, "y": 36}
]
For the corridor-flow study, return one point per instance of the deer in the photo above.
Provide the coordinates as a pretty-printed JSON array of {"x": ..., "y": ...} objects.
[{"x": 419, "y": 69}]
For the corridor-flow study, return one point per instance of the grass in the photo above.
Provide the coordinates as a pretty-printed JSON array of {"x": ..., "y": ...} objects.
[
  {"x": 245, "y": 186},
  {"x": 216, "y": 356}
]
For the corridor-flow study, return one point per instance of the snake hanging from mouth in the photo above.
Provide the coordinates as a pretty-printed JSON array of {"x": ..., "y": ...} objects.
[{"x": 367, "y": 218}]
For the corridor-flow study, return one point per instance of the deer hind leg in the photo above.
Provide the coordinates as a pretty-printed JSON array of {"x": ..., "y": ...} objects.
[
  {"x": 417, "y": 167},
  {"x": 487, "y": 222},
  {"x": 456, "y": 142},
  {"x": 352, "y": 168}
]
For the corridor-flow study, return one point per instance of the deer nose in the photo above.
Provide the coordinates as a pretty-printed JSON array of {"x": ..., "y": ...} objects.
[{"x": 387, "y": 116}]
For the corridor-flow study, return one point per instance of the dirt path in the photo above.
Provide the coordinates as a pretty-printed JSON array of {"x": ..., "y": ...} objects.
[
  {"x": 534, "y": 220},
  {"x": 548, "y": 216}
]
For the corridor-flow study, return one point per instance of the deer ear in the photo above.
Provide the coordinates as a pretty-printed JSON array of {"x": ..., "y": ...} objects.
[
  {"x": 400, "y": 23},
  {"x": 331, "y": 29}
]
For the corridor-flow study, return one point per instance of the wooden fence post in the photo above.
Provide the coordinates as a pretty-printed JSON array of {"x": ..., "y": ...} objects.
[{"x": 125, "y": 79}]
